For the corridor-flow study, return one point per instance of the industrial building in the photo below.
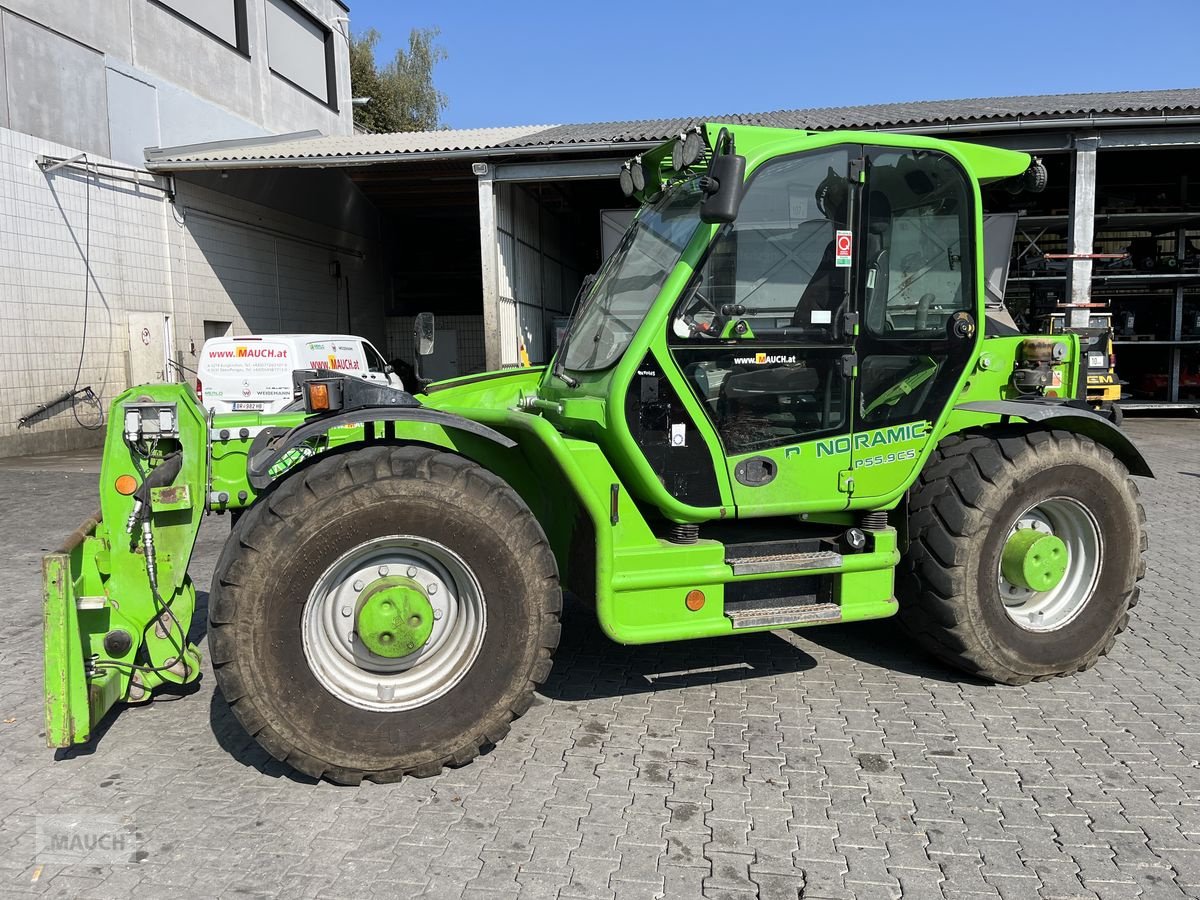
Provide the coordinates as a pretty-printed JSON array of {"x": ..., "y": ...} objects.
[
  {"x": 174, "y": 170},
  {"x": 493, "y": 229},
  {"x": 111, "y": 275}
]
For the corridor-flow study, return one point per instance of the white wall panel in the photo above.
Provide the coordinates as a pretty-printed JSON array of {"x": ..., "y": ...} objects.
[{"x": 210, "y": 257}]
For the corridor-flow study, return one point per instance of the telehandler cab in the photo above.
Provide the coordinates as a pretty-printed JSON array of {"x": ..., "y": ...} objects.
[{"x": 781, "y": 402}]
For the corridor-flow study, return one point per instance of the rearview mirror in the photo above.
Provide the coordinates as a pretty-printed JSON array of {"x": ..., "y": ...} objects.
[
  {"x": 724, "y": 184},
  {"x": 423, "y": 330},
  {"x": 722, "y": 203}
]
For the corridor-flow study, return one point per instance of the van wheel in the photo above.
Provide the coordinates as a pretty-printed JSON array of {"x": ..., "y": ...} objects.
[
  {"x": 385, "y": 611},
  {"x": 1024, "y": 556}
]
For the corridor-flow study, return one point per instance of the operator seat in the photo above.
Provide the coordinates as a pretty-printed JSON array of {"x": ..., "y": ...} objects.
[{"x": 825, "y": 291}]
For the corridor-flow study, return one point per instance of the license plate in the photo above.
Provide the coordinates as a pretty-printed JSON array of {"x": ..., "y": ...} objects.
[
  {"x": 1097, "y": 361},
  {"x": 244, "y": 406}
]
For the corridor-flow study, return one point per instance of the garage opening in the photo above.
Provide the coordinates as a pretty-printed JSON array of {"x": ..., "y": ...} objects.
[{"x": 548, "y": 235}]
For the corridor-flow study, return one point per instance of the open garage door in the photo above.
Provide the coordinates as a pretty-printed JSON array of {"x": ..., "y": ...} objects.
[{"x": 537, "y": 270}]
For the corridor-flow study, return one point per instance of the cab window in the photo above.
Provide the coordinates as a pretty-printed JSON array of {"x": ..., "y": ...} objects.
[
  {"x": 758, "y": 330},
  {"x": 375, "y": 362},
  {"x": 775, "y": 267},
  {"x": 917, "y": 286},
  {"x": 918, "y": 268}
]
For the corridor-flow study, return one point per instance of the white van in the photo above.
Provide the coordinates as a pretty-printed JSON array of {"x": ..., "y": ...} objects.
[{"x": 253, "y": 372}]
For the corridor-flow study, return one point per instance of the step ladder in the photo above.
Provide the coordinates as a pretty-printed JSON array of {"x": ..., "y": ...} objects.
[{"x": 795, "y": 600}]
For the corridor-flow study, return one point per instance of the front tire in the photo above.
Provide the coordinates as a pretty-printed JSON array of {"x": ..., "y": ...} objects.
[
  {"x": 327, "y": 685},
  {"x": 976, "y": 509}
]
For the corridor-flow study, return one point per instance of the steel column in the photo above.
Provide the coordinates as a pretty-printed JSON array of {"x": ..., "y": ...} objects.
[
  {"x": 1175, "y": 360},
  {"x": 488, "y": 265},
  {"x": 1081, "y": 234}
]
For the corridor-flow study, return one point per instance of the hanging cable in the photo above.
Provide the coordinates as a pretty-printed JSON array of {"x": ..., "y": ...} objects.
[{"x": 87, "y": 284}]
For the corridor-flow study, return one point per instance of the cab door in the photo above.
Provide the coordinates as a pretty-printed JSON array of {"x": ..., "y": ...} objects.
[
  {"x": 919, "y": 298},
  {"x": 764, "y": 334}
]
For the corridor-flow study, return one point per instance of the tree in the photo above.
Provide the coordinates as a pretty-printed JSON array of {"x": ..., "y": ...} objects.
[{"x": 403, "y": 96}]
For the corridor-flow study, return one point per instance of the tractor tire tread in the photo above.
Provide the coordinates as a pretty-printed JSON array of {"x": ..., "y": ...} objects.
[
  {"x": 268, "y": 521},
  {"x": 946, "y": 510}
]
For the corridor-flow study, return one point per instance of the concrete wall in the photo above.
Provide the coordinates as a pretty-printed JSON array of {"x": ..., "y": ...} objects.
[
  {"x": 114, "y": 76},
  {"x": 132, "y": 255}
]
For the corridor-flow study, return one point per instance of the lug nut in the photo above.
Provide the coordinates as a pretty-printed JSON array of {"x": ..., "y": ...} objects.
[
  {"x": 346, "y": 611},
  {"x": 383, "y": 570},
  {"x": 431, "y": 590},
  {"x": 358, "y": 585},
  {"x": 412, "y": 571}
]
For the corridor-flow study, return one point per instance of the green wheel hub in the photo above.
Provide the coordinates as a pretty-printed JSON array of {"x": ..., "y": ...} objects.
[
  {"x": 394, "y": 618},
  {"x": 1035, "y": 560}
]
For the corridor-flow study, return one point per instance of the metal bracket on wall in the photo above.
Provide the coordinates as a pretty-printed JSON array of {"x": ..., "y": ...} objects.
[{"x": 109, "y": 171}]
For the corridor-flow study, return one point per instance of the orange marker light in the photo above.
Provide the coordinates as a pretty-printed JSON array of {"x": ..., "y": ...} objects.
[
  {"x": 318, "y": 396},
  {"x": 695, "y": 600},
  {"x": 126, "y": 485}
]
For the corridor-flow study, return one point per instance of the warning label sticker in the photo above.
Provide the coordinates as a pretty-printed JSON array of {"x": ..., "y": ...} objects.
[{"x": 843, "y": 249}]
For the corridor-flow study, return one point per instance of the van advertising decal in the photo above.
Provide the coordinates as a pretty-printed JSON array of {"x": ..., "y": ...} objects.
[
  {"x": 240, "y": 351},
  {"x": 241, "y": 360}
]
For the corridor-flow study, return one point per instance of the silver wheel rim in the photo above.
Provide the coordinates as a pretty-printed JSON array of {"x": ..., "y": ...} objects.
[
  {"x": 1073, "y": 523},
  {"x": 352, "y": 673}
]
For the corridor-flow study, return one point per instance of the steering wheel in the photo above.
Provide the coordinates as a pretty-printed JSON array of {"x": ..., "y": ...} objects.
[{"x": 698, "y": 303}]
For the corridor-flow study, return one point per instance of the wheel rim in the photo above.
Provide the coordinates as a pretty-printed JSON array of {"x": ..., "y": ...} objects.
[
  {"x": 1062, "y": 525},
  {"x": 416, "y": 579}
]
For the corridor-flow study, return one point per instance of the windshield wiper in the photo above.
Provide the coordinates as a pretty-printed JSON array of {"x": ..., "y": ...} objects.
[{"x": 559, "y": 370}]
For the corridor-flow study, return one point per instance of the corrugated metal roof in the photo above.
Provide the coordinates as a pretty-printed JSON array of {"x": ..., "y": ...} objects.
[
  {"x": 366, "y": 145},
  {"x": 485, "y": 141},
  {"x": 886, "y": 115}
]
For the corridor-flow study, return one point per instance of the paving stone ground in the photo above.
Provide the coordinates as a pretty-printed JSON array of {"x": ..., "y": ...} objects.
[{"x": 835, "y": 762}]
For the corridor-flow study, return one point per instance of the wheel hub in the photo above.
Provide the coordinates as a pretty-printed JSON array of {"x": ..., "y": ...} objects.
[
  {"x": 394, "y": 618},
  {"x": 1050, "y": 564},
  {"x": 1033, "y": 559},
  {"x": 394, "y": 623}
]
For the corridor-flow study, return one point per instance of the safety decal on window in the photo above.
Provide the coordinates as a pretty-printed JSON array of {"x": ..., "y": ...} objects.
[{"x": 844, "y": 249}]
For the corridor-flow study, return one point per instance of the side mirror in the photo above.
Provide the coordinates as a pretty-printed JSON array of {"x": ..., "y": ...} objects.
[
  {"x": 423, "y": 331},
  {"x": 724, "y": 184}
]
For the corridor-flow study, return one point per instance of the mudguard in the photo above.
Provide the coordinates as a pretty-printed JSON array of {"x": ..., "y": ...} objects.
[
  {"x": 272, "y": 443},
  {"x": 1070, "y": 418}
]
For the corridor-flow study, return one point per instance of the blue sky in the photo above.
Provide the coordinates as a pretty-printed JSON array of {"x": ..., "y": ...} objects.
[{"x": 521, "y": 63}]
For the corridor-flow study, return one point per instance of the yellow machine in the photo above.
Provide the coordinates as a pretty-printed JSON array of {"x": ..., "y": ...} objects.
[{"x": 1096, "y": 340}]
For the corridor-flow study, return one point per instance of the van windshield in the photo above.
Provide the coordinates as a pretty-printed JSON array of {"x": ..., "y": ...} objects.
[{"x": 631, "y": 278}]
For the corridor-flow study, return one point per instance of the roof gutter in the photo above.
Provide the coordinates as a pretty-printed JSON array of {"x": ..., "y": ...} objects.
[
  {"x": 340, "y": 161},
  {"x": 1023, "y": 124}
]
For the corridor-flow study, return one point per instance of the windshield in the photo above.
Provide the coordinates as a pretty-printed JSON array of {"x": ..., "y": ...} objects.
[{"x": 631, "y": 278}]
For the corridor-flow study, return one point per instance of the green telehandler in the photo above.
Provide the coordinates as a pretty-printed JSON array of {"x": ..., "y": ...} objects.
[{"x": 781, "y": 402}]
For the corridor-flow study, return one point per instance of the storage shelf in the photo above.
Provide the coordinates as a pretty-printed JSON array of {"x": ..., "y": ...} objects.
[
  {"x": 1129, "y": 220},
  {"x": 1160, "y": 405},
  {"x": 1161, "y": 278}
]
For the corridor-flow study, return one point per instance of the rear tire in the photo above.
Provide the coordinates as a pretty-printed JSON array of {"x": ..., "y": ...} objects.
[
  {"x": 974, "y": 492},
  {"x": 285, "y": 567}
]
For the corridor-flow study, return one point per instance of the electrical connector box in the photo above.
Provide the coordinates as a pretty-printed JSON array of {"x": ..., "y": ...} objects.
[{"x": 150, "y": 421}]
